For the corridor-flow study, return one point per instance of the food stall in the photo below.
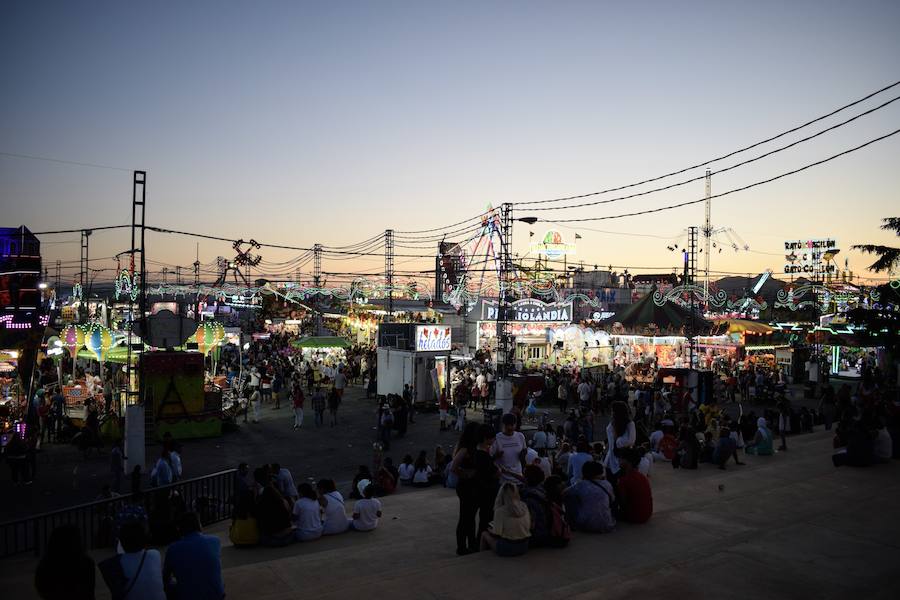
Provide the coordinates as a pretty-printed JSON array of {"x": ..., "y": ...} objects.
[
  {"x": 414, "y": 355},
  {"x": 583, "y": 346},
  {"x": 528, "y": 322},
  {"x": 327, "y": 350}
]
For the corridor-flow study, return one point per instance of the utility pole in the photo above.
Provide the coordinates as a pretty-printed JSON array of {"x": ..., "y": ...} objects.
[
  {"x": 177, "y": 275},
  {"x": 165, "y": 275},
  {"x": 58, "y": 270},
  {"x": 389, "y": 271},
  {"x": 317, "y": 282},
  {"x": 83, "y": 274},
  {"x": 317, "y": 265},
  {"x": 690, "y": 275},
  {"x": 504, "y": 343},
  {"x": 707, "y": 235},
  {"x": 137, "y": 407}
]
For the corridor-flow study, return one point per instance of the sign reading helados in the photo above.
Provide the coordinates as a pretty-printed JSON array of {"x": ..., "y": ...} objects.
[{"x": 432, "y": 338}]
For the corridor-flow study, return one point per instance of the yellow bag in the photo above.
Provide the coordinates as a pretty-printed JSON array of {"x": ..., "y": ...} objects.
[{"x": 244, "y": 532}]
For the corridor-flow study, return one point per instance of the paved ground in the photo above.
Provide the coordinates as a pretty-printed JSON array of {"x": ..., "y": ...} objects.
[
  {"x": 788, "y": 526},
  {"x": 66, "y": 478}
]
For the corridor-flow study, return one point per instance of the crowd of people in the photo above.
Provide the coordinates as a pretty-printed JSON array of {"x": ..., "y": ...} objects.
[
  {"x": 527, "y": 483},
  {"x": 272, "y": 371},
  {"x": 191, "y": 569},
  {"x": 270, "y": 510}
]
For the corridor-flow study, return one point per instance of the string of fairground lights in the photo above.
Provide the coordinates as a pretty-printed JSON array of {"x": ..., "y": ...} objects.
[
  {"x": 731, "y": 191},
  {"x": 713, "y": 160},
  {"x": 723, "y": 170}
]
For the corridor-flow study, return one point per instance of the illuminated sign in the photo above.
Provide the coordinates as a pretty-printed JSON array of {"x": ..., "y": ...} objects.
[
  {"x": 808, "y": 256},
  {"x": 432, "y": 338},
  {"x": 552, "y": 245},
  {"x": 528, "y": 310},
  {"x": 488, "y": 329}
]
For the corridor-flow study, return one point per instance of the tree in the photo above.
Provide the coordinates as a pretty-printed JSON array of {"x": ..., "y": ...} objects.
[{"x": 888, "y": 256}]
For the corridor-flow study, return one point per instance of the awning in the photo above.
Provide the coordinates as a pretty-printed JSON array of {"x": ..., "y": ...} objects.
[
  {"x": 744, "y": 326},
  {"x": 321, "y": 342}
]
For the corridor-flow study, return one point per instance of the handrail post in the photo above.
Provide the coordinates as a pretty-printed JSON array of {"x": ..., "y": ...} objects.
[{"x": 37, "y": 539}]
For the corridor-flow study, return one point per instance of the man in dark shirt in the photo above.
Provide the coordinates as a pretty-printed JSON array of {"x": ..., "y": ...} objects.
[{"x": 194, "y": 562}]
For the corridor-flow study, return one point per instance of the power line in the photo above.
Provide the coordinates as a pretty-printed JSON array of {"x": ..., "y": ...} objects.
[
  {"x": 726, "y": 193},
  {"x": 80, "y": 230},
  {"x": 731, "y": 168},
  {"x": 710, "y": 161},
  {"x": 64, "y": 162}
]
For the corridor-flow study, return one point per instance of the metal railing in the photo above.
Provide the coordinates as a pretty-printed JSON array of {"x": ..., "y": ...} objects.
[{"x": 209, "y": 496}]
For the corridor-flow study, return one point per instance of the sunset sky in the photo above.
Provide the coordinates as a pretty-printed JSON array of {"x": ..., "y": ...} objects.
[{"x": 298, "y": 122}]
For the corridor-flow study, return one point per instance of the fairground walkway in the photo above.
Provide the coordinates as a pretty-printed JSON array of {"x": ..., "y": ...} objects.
[{"x": 788, "y": 526}]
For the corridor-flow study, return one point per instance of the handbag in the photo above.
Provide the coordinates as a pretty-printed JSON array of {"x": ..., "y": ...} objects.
[
  {"x": 114, "y": 576},
  {"x": 244, "y": 532}
]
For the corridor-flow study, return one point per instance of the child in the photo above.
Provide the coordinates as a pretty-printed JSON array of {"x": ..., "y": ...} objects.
[
  {"x": 443, "y": 409},
  {"x": 367, "y": 511}
]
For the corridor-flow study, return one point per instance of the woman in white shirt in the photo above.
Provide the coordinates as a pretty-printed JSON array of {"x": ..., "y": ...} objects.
[
  {"x": 422, "y": 472},
  {"x": 307, "y": 514},
  {"x": 336, "y": 520},
  {"x": 142, "y": 567},
  {"x": 620, "y": 433},
  {"x": 407, "y": 470}
]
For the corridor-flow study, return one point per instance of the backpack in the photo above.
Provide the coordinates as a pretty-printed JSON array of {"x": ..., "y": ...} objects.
[{"x": 560, "y": 532}]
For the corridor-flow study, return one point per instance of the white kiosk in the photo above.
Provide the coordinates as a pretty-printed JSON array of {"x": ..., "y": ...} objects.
[{"x": 414, "y": 354}]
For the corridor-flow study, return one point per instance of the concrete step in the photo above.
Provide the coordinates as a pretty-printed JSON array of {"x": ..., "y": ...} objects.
[{"x": 790, "y": 525}]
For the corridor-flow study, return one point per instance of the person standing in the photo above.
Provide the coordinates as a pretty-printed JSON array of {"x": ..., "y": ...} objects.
[
  {"x": 408, "y": 401},
  {"x": 334, "y": 402},
  {"x": 562, "y": 395},
  {"x": 443, "y": 409},
  {"x": 509, "y": 450},
  {"x": 277, "y": 385},
  {"x": 161, "y": 474},
  {"x": 340, "y": 383},
  {"x": 255, "y": 401},
  {"x": 401, "y": 416},
  {"x": 463, "y": 466},
  {"x": 193, "y": 566},
  {"x": 620, "y": 433},
  {"x": 385, "y": 424},
  {"x": 297, "y": 400},
  {"x": 265, "y": 383},
  {"x": 318, "y": 402}
]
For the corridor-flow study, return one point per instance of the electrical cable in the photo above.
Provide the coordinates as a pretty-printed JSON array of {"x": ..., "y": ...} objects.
[
  {"x": 731, "y": 191},
  {"x": 710, "y": 161},
  {"x": 65, "y": 162},
  {"x": 732, "y": 167}
]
